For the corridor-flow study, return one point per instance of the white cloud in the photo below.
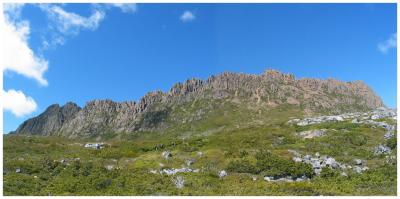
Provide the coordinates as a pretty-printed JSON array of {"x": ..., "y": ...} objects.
[
  {"x": 187, "y": 16},
  {"x": 390, "y": 43},
  {"x": 17, "y": 103},
  {"x": 13, "y": 9},
  {"x": 63, "y": 23},
  {"x": 17, "y": 55},
  {"x": 126, "y": 7},
  {"x": 71, "y": 23}
]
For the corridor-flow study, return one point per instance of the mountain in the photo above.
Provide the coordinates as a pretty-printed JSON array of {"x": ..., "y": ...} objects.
[
  {"x": 50, "y": 120},
  {"x": 252, "y": 98}
]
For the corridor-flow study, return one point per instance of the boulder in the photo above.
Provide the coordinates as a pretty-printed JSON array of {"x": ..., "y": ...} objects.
[
  {"x": 189, "y": 162},
  {"x": 335, "y": 165},
  {"x": 381, "y": 149},
  {"x": 357, "y": 169},
  {"x": 307, "y": 157},
  {"x": 303, "y": 123},
  {"x": 109, "y": 167},
  {"x": 321, "y": 119},
  {"x": 297, "y": 159},
  {"x": 222, "y": 174},
  {"x": 153, "y": 171},
  {"x": 179, "y": 182},
  {"x": 317, "y": 155},
  {"x": 389, "y": 135},
  {"x": 268, "y": 178},
  {"x": 375, "y": 117},
  {"x": 312, "y": 133},
  {"x": 358, "y": 161},
  {"x": 281, "y": 179},
  {"x": 169, "y": 171},
  {"x": 166, "y": 154},
  {"x": 302, "y": 178},
  {"x": 295, "y": 153},
  {"x": 332, "y": 163},
  {"x": 355, "y": 121},
  {"x": 316, "y": 161},
  {"x": 174, "y": 171},
  {"x": 317, "y": 171},
  {"x": 390, "y": 159}
]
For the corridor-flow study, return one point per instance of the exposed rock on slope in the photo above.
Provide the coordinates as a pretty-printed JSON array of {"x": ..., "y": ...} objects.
[
  {"x": 269, "y": 89},
  {"x": 49, "y": 121}
]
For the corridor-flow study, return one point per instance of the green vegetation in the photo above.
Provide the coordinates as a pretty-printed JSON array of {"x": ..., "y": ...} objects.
[
  {"x": 273, "y": 165},
  {"x": 245, "y": 143}
]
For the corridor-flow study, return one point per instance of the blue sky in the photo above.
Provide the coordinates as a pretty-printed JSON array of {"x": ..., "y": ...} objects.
[{"x": 119, "y": 52}]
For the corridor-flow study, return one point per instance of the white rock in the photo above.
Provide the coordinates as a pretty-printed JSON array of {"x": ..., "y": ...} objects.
[
  {"x": 364, "y": 168},
  {"x": 358, "y": 161},
  {"x": 307, "y": 157},
  {"x": 179, "y": 182},
  {"x": 268, "y": 178},
  {"x": 110, "y": 167},
  {"x": 189, "y": 162},
  {"x": 297, "y": 159},
  {"x": 317, "y": 155},
  {"x": 375, "y": 117},
  {"x": 357, "y": 169},
  {"x": 330, "y": 161},
  {"x": 389, "y": 135},
  {"x": 166, "y": 154},
  {"x": 222, "y": 173},
  {"x": 381, "y": 149},
  {"x": 153, "y": 171}
]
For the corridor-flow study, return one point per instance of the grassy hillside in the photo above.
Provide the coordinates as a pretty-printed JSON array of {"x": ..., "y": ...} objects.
[{"x": 247, "y": 144}]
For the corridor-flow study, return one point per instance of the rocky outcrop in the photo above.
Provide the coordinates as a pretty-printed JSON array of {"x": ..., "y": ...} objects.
[
  {"x": 312, "y": 133},
  {"x": 382, "y": 149},
  {"x": 367, "y": 117},
  {"x": 286, "y": 179},
  {"x": 179, "y": 182},
  {"x": 50, "y": 121},
  {"x": 150, "y": 113},
  {"x": 173, "y": 171},
  {"x": 318, "y": 162}
]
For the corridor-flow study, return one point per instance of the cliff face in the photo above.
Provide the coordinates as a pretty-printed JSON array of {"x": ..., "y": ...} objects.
[
  {"x": 270, "y": 89},
  {"x": 49, "y": 121}
]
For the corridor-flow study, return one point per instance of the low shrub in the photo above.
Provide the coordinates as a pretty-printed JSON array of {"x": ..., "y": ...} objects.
[{"x": 241, "y": 166}]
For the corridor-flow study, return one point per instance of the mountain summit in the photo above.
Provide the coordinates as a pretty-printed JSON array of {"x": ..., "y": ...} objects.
[{"x": 249, "y": 96}]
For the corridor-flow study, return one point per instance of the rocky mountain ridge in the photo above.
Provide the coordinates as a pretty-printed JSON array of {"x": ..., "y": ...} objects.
[{"x": 269, "y": 89}]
